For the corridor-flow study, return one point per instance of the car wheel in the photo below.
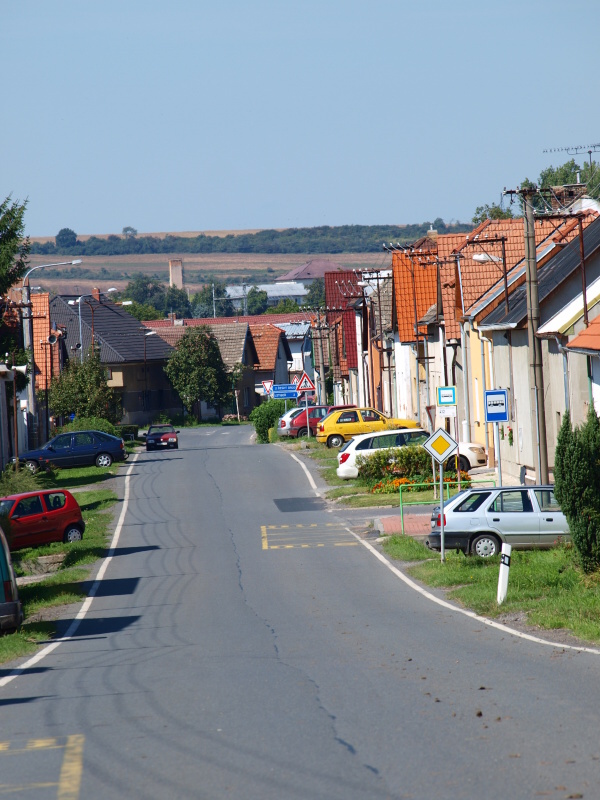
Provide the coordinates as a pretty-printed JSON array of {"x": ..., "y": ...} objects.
[
  {"x": 302, "y": 432},
  {"x": 32, "y": 466},
  {"x": 485, "y": 545},
  {"x": 463, "y": 464},
  {"x": 148, "y": 448},
  {"x": 335, "y": 440},
  {"x": 103, "y": 460},
  {"x": 72, "y": 534}
]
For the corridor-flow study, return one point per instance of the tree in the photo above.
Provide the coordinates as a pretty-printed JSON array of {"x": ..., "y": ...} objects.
[
  {"x": 577, "y": 477},
  {"x": 257, "y": 301},
  {"x": 316, "y": 294},
  {"x": 82, "y": 389},
  {"x": 129, "y": 232},
  {"x": 491, "y": 212},
  {"x": 177, "y": 302},
  {"x": 196, "y": 369},
  {"x": 143, "y": 311},
  {"x": 564, "y": 175},
  {"x": 146, "y": 289},
  {"x": 284, "y": 306},
  {"x": 65, "y": 238},
  {"x": 202, "y": 301},
  {"x": 14, "y": 248}
]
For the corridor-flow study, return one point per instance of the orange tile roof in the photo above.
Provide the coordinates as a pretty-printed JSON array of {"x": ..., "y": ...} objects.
[
  {"x": 478, "y": 278},
  {"x": 589, "y": 338},
  {"x": 420, "y": 265},
  {"x": 266, "y": 340}
]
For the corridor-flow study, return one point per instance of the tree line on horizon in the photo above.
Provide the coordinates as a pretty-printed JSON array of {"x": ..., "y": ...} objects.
[{"x": 323, "y": 239}]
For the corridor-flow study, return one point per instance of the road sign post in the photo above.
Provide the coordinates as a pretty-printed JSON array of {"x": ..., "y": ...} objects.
[
  {"x": 306, "y": 385},
  {"x": 441, "y": 445},
  {"x": 496, "y": 411}
]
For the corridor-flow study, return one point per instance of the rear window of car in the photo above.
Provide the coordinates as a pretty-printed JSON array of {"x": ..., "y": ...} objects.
[
  {"x": 104, "y": 437},
  {"x": 472, "y": 502},
  {"x": 512, "y": 502},
  {"x": 546, "y": 500},
  {"x": 54, "y": 500},
  {"x": 348, "y": 416},
  {"x": 364, "y": 445}
]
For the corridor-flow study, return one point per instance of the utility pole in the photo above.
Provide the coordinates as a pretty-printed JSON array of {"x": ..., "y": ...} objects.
[
  {"x": 536, "y": 373},
  {"x": 321, "y": 360}
]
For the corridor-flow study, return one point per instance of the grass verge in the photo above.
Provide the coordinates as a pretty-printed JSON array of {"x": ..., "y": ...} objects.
[
  {"x": 546, "y": 585},
  {"x": 64, "y": 586}
]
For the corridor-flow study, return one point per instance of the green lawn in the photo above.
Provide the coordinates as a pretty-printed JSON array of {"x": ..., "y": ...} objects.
[{"x": 545, "y": 584}]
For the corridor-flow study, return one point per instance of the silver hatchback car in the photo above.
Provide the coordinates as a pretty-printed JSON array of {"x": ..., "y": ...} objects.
[{"x": 478, "y": 521}]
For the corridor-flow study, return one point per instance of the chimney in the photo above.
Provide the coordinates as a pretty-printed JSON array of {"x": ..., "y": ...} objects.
[
  {"x": 96, "y": 294},
  {"x": 432, "y": 233}
]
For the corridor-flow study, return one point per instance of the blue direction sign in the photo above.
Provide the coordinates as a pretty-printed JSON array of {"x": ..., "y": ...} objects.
[
  {"x": 496, "y": 405},
  {"x": 284, "y": 391}
]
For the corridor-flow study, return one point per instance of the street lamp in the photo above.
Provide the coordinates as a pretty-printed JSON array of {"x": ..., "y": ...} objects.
[
  {"x": 149, "y": 333},
  {"x": 78, "y": 301},
  {"x": 28, "y": 328}
]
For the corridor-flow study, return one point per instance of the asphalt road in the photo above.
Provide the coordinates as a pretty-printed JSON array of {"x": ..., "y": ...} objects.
[{"x": 244, "y": 644}]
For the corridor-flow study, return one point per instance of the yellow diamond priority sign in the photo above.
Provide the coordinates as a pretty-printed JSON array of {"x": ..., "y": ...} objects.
[{"x": 440, "y": 445}]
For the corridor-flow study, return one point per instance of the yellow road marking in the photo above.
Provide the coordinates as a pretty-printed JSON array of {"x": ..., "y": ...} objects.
[
  {"x": 303, "y": 537},
  {"x": 69, "y": 782},
  {"x": 70, "y": 774},
  {"x": 12, "y": 789}
]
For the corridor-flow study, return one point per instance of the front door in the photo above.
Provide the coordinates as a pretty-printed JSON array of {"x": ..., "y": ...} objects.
[
  {"x": 28, "y": 523},
  {"x": 85, "y": 449},
  {"x": 58, "y": 451}
]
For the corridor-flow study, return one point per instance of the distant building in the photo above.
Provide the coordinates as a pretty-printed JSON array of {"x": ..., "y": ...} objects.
[
  {"x": 290, "y": 290},
  {"x": 315, "y": 268}
]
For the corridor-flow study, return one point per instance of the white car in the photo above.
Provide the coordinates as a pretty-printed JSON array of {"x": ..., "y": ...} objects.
[
  {"x": 283, "y": 426},
  {"x": 470, "y": 454}
]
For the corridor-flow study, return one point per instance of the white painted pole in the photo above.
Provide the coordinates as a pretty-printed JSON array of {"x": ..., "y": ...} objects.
[
  {"x": 503, "y": 574},
  {"x": 442, "y": 541},
  {"x": 306, "y": 407}
]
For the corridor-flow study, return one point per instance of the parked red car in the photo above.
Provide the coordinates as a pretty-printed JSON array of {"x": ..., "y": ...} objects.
[
  {"x": 297, "y": 426},
  {"x": 36, "y": 518}
]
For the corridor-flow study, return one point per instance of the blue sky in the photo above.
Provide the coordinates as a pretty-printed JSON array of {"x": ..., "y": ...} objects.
[{"x": 197, "y": 115}]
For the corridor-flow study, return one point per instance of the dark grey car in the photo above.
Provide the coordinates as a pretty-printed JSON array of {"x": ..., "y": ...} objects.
[{"x": 478, "y": 521}]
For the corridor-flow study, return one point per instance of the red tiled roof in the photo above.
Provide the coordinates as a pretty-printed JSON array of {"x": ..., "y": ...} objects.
[
  {"x": 588, "y": 339},
  {"x": 315, "y": 268},
  {"x": 342, "y": 289},
  {"x": 415, "y": 279},
  {"x": 266, "y": 340},
  {"x": 298, "y": 316}
]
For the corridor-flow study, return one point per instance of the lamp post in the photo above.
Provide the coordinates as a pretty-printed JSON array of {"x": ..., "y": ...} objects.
[
  {"x": 78, "y": 301},
  {"x": 28, "y": 335},
  {"x": 149, "y": 333}
]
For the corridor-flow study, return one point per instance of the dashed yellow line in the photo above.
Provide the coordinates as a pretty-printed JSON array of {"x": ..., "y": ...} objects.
[{"x": 305, "y": 536}]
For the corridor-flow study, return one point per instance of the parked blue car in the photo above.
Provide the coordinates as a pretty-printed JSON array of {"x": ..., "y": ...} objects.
[{"x": 77, "y": 449}]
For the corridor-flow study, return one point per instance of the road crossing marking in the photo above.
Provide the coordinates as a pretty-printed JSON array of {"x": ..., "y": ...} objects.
[
  {"x": 305, "y": 536},
  {"x": 68, "y": 784}
]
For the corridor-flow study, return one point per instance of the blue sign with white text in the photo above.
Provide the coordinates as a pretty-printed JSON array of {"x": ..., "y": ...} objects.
[{"x": 496, "y": 405}]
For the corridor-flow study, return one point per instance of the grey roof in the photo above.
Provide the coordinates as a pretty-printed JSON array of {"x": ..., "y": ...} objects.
[
  {"x": 550, "y": 276},
  {"x": 295, "y": 330},
  {"x": 385, "y": 295},
  {"x": 231, "y": 338},
  {"x": 430, "y": 317},
  {"x": 274, "y": 290},
  {"x": 122, "y": 338}
]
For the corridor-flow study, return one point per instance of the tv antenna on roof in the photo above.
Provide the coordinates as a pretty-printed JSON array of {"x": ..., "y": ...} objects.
[{"x": 576, "y": 150}]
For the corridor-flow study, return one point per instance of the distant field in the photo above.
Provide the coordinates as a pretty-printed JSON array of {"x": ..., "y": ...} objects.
[
  {"x": 185, "y": 234},
  {"x": 253, "y": 267}
]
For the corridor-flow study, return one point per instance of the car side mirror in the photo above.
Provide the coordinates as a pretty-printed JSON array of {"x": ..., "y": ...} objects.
[
  {"x": 177, "y": 431},
  {"x": 144, "y": 434},
  {"x": 50, "y": 447}
]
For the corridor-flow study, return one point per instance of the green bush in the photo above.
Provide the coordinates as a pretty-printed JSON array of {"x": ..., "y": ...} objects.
[
  {"x": 90, "y": 424},
  {"x": 400, "y": 462},
  {"x": 127, "y": 430},
  {"x": 577, "y": 478},
  {"x": 265, "y": 416}
]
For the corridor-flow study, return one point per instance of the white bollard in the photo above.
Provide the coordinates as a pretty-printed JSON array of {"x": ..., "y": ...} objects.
[{"x": 503, "y": 574}]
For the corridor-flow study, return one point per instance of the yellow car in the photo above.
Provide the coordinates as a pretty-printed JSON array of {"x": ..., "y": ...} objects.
[{"x": 340, "y": 426}]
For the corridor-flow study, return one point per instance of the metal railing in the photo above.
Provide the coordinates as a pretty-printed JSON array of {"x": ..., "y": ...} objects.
[{"x": 447, "y": 484}]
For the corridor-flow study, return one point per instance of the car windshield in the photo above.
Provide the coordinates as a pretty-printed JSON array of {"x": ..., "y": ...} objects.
[
  {"x": 5, "y": 507},
  {"x": 161, "y": 429}
]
